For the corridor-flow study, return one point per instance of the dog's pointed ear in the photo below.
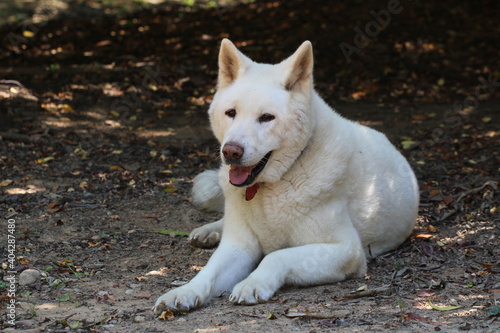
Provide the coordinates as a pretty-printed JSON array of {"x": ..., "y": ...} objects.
[
  {"x": 300, "y": 67},
  {"x": 232, "y": 63}
]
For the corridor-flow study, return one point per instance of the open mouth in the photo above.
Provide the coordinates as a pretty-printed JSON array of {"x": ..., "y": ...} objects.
[{"x": 245, "y": 175}]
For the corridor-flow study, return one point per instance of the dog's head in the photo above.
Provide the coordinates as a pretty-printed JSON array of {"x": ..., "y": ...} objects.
[{"x": 261, "y": 114}]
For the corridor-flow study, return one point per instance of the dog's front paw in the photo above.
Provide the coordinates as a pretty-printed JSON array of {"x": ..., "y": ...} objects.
[
  {"x": 178, "y": 300},
  {"x": 205, "y": 237},
  {"x": 252, "y": 291}
]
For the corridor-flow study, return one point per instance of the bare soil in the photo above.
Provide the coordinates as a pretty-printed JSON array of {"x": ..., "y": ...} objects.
[{"x": 98, "y": 152}]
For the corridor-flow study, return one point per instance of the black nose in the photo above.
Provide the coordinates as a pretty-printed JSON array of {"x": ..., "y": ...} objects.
[{"x": 232, "y": 152}]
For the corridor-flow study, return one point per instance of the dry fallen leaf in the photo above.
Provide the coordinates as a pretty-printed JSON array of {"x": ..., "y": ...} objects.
[
  {"x": 423, "y": 236},
  {"x": 55, "y": 207},
  {"x": 426, "y": 293},
  {"x": 434, "y": 192},
  {"x": 414, "y": 316},
  {"x": 431, "y": 228},
  {"x": 169, "y": 188},
  {"x": 443, "y": 308},
  {"x": 117, "y": 167},
  {"x": 28, "y": 33},
  {"x": 271, "y": 316},
  {"x": 362, "y": 287},
  {"x": 83, "y": 185},
  {"x": 448, "y": 200},
  {"x": 167, "y": 315},
  {"x": 407, "y": 144},
  {"x": 143, "y": 295},
  {"x": 65, "y": 262},
  {"x": 5, "y": 182},
  {"x": 44, "y": 160}
]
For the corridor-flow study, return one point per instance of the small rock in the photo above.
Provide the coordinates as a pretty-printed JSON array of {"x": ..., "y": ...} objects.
[
  {"x": 341, "y": 322},
  {"x": 177, "y": 283},
  {"x": 139, "y": 319},
  {"x": 465, "y": 327},
  {"x": 123, "y": 312},
  {"x": 29, "y": 277},
  {"x": 130, "y": 291},
  {"x": 102, "y": 293}
]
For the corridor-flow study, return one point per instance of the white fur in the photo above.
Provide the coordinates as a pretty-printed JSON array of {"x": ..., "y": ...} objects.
[
  {"x": 207, "y": 193},
  {"x": 332, "y": 194}
]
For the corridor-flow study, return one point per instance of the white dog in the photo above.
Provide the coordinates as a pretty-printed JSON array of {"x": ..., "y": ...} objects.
[{"x": 308, "y": 194}]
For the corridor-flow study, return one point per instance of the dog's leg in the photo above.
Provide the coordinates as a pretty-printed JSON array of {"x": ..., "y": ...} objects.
[
  {"x": 310, "y": 264},
  {"x": 236, "y": 256},
  {"x": 207, "y": 236}
]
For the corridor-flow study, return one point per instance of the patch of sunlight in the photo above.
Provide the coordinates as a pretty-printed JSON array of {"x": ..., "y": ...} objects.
[
  {"x": 30, "y": 189},
  {"x": 476, "y": 228},
  {"x": 94, "y": 115},
  {"x": 215, "y": 329},
  {"x": 112, "y": 123},
  {"x": 463, "y": 312},
  {"x": 418, "y": 46},
  {"x": 155, "y": 133},
  {"x": 47, "y": 306},
  {"x": 62, "y": 122},
  {"x": 160, "y": 272},
  {"x": 196, "y": 268}
]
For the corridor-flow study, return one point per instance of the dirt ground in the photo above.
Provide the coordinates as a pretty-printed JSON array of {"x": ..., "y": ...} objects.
[{"x": 102, "y": 133}]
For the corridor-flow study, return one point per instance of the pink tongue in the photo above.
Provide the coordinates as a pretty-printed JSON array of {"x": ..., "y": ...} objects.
[{"x": 238, "y": 174}]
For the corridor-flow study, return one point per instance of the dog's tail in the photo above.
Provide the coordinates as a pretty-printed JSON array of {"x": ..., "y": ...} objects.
[{"x": 207, "y": 193}]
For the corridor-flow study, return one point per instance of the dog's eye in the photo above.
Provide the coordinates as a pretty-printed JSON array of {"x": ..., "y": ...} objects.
[
  {"x": 231, "y": 113},
  {"x": 266, "y": 117}
]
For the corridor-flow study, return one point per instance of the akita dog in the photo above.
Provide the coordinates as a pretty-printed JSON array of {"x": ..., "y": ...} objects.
[{"x": 307, "y": 195}]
